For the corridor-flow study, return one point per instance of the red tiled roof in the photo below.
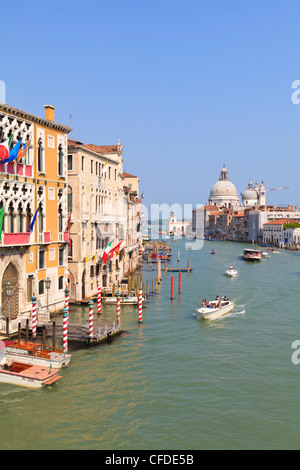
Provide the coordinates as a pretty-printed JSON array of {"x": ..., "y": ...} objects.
[
  {"x": 102, "y": 148},
  {"x": 128, "y": 175},
  {"x": 281, "y": 222},
  {"x": 74, "y": 142}
]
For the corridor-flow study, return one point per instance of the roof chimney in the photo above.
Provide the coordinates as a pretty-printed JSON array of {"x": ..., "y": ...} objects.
[{"x": 49, "y": 112}]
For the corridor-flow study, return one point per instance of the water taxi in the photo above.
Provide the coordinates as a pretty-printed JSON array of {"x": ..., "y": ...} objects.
[
  {"x": 31, "y": 353},
  {"x": 26, "y": 375},
  {"x": 251, "y": 255},
  {"x": 212, "y": 311}
]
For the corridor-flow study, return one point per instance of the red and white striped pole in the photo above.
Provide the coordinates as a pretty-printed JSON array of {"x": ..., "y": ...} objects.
[
  {"x": 67, "y": 300},
  {"x": 179, "y": 283},
  {"x": 118, "y": 309},
  {"x": 91, "y": 315},
  {"x": 33, "y": 322},
  {"x": 99, "y": 300},
  {"x": 172, "y": 288},
  {"x": 65, "y": 330},
  {"x": 140, "y": 306}
]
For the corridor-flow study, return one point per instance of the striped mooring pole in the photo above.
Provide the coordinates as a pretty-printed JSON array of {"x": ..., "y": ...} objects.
[
  {"x": 118, "y": 309},
  {"x": 179, "y": 282},
  {"x": 140, "y": 306},
  {"x": 99, "y": 299},
  {"x": 33, "y": 315},
  {"x": 158, "y": 270},
  {"x": 65, "y": 330},
  {"x": 91, "y": 314},
  {"x": 67, "y": 301}
]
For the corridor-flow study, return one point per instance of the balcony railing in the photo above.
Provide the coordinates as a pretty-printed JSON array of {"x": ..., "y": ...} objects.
[
  {"x": 16, "y": 238},
  {"x": 20, "y": 169}
]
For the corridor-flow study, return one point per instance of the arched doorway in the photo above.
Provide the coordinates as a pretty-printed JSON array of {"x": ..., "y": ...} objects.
[{"x": 10, "y": 275}]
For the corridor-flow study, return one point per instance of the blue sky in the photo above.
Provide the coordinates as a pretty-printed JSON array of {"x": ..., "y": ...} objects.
[{"x": 186, "y": 86}]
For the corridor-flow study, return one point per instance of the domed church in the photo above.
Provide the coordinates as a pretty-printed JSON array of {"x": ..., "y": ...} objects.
[
  {"x": 253, "y": 196},
  {"x": 223, "y": 193}
]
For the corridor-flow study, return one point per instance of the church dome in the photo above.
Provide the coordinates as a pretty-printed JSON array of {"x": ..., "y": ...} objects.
[
  {"x": 223, "y": 192},
  {"x": 250, "y": 195},
  {"x": 223, "y": 188}
]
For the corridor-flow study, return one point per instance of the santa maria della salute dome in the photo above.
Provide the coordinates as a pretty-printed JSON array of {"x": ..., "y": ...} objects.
[{"x": 224, "y": 193}]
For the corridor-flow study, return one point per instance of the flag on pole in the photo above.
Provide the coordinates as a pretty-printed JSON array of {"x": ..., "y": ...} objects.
[
  {"x": 104, "y": 169},
  {"x": 116, "y": 249},
  {"x": 1, "y": 220},
  {"x": 69, "y": 222},
  {"x": 32, "y": 222},
  {"x": 106, "y": 252},
  {"x": 23, "y": 150},
  {"x": 4, "y": 150},
  {"x": 142, "y": 195},
  {"x": 13, "y": 153}
]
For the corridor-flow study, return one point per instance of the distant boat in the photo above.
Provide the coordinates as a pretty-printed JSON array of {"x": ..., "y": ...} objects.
[
  {"x": 251, "y": 255},
  {"x": 212, "y": 252},
  {"x": 181, "y": 270},
  {"x": 231, "y": 272},
  {"x": 128, "y": 300}
]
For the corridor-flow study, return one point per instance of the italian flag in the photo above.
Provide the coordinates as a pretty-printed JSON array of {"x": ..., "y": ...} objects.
[
  {"x": 4, "y": 150},
  {"x": 106, "y": 252}
]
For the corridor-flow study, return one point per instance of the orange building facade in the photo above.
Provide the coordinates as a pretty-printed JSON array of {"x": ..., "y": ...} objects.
[{"x": 36, "y": 184}]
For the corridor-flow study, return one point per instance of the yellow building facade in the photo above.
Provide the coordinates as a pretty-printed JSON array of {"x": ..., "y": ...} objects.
[{"x": 34, "y": 185}]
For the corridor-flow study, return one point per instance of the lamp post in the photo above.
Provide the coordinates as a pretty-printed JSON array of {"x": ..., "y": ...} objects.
[
  {"x": 48, "y": 284},
  {"x": 8, "y": 294}
]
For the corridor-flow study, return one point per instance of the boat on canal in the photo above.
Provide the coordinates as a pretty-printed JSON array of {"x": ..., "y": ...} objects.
[
  {"x": 38, "y": 354},
  {"x": 179, "y": 270},
  {"x": 212, "y": 310},
  {"x": 251, "y": 255},
  {"x": 26, "y": 375},
  {"x": 128, "y": 300},
  {"x": 231, "y": 272}
]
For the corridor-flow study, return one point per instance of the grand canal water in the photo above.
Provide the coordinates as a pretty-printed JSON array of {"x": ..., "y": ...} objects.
[{"x": 174, "y": 382}]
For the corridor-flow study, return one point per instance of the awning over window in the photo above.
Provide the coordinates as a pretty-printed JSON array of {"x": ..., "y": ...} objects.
[{"x": 104, "y": 231}]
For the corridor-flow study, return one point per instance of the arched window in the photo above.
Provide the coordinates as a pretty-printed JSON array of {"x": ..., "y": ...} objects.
[
  {"x": 41, "y": 218},
  {"x": 41, "y": 287},
  {"x": 60, "y": 161},
  {"x": 60, "y": 218},
  {"x": 20, "y": 217},
  {"x": 11, "y": 218},
  {"x": 70, "y": 199},
  {"x": 60, "y": 282},
  {"x": 28, "y": 217},
  {"x": 40, "y": 152}
]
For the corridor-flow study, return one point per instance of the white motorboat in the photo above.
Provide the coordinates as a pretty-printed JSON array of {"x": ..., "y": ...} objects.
[
  {"x": 231, "y": 272},
  {"x": 212, "y": 311},
  {"x": 42, "y": 355},
  {"x": 264, "y": 253},
  {"x": 26, "y": 375},
  {"x": 128, "y": 300}
]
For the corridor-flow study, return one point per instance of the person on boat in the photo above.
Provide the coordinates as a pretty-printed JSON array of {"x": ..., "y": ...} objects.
[
  {"x": 230, "y": 267},
  {"x": 217, "y": 298},
  {"x": 203, "y": 303},
  {"x": 225, "y": 298}
]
